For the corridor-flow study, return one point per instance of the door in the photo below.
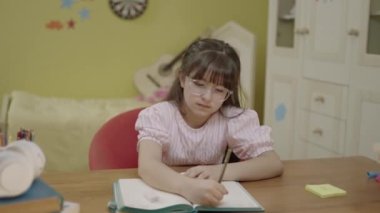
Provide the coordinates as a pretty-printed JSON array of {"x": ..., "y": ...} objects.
[
  {"x": 284, "y": 59},
  {"x": 325, "y": 49}
]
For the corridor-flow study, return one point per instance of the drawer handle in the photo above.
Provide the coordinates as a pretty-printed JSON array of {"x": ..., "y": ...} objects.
[
  {"x": 353, "y": 32},
  {"x": 320, "y": 99},
  {"x": 302, "y": 31},
  {"x": 318, "y": 131}
]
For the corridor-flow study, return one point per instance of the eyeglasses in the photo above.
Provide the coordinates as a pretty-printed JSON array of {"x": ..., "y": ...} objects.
[{"x": 200, "y": 87}]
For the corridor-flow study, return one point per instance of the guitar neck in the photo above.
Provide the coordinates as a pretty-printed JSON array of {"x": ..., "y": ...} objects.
[{"x": 168, "y": 67}]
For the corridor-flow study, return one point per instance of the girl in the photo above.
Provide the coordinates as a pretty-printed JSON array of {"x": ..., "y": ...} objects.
[{"x": 200, "y": 119}]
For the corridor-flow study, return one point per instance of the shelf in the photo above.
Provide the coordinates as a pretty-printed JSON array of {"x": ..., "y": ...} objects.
[
  {"x": 376, "y": 13},
  {"x": 290, "y": 15}
]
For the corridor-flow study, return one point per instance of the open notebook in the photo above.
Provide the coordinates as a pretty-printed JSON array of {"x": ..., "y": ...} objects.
[{"x": 133, "y": 195}]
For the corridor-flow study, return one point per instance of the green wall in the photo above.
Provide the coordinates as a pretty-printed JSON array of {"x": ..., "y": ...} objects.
[{"x": 98, "y": 57}]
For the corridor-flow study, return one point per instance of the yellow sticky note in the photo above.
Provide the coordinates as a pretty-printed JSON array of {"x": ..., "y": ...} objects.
[{"x": 325, "y": 190}]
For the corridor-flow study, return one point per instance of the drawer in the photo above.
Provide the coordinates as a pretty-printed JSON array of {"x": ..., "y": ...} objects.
[
  {"x": 325, "y": 98},
  {"x": 315, "y": 151},
  {"x": 322, "y": 131}
]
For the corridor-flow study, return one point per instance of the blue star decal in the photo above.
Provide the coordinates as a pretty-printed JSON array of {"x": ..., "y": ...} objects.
[
  {"x": 280, "y": 112},
  {"x": 67, "y": 3},
  {"x": 84, "y": 13}
]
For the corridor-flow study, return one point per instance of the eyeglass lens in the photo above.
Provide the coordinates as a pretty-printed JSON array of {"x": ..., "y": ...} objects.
[{"x": 200, "y": 87}]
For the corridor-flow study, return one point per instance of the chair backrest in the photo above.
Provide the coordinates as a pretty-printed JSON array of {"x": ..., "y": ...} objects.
[{"x": 114, "y": 145}]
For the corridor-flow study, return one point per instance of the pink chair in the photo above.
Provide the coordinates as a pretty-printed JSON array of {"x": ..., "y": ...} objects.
[{"x": 114, "y": 144}]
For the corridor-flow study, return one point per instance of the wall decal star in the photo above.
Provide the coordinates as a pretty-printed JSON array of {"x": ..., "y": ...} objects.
[
  {"x": 84, "y": 13},
  {"x": 67, "y": 3},
  {"x": 71, "y": 24}
]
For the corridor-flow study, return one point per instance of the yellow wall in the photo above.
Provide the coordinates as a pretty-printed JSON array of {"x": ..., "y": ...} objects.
[{"x": 97, "y": 59}]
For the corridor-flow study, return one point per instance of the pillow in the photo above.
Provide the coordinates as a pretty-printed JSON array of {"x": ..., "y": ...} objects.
[{"x": 64, "y": 127}]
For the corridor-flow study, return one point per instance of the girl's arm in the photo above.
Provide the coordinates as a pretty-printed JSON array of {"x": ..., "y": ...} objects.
[
  {"x": 159, "y": 175},
  {"x": 266, "y": 165}
]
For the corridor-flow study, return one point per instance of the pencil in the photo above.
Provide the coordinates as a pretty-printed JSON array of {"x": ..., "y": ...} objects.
[{"x": 225, "y": 162}]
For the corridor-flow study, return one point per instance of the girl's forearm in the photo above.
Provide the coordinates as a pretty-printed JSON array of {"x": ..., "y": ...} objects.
[
  {"x": 267, "y": 165},
  {"x": 161, "y": 176}
]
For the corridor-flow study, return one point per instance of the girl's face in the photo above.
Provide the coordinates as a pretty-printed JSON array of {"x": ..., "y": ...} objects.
[{"x": 202, "y": 98}]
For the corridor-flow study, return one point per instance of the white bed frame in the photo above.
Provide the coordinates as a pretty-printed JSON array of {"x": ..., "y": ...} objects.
[{"x": 3, "y": 115}]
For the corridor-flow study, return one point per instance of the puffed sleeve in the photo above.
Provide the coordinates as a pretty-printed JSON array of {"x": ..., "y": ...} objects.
[
  {"x": 151, "y": 124},
  {"x": 247, "y": 138}
]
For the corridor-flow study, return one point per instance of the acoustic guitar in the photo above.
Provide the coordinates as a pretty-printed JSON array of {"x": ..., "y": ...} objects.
[{"x": 154, "y": 82}]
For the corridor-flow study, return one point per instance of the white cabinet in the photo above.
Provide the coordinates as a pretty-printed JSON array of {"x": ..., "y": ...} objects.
[
  {"x": 363, "y": 128},
  {"x": 323, "y": 75}
]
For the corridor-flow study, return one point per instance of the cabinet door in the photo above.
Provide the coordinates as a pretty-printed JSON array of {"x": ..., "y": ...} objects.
[
  {"x": 325, "y": 49},
  {"x": 283, "y": 49},
  {"x": 284, "y": 19},
  {"x": 284, "y": 60},
  {"x": 363, "y": 132},
  {"x": 369, "y": 33},
  {"x": 364, "y": 108},
  {"x": 280, "y": 112}
]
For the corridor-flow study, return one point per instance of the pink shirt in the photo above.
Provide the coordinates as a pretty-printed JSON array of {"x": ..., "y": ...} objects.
[{"x": 184, "y": 145}]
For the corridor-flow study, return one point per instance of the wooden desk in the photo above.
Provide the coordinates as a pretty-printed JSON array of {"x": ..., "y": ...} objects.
[{"x": 283, "y": 194}]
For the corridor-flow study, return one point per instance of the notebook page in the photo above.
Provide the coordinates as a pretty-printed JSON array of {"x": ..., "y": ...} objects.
[
  {"x": 137, "y": 194},
  {"x": 237, "y": 197}
]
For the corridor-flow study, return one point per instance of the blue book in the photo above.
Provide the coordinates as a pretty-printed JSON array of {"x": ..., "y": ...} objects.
[{"x": 40, "y": 197}]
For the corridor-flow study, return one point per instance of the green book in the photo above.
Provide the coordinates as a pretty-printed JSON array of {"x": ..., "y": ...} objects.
[
  {"x": 40, "y": 197},
  {"x": 135, "y": 196}
]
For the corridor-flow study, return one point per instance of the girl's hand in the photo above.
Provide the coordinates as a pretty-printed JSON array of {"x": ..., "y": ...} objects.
[
  {"x": 204, "y": 192},
  {"x": 204, "y": 172}
]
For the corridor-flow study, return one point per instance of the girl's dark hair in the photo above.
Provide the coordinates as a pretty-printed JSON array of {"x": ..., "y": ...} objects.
[{"x": 214, "y": 57}]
